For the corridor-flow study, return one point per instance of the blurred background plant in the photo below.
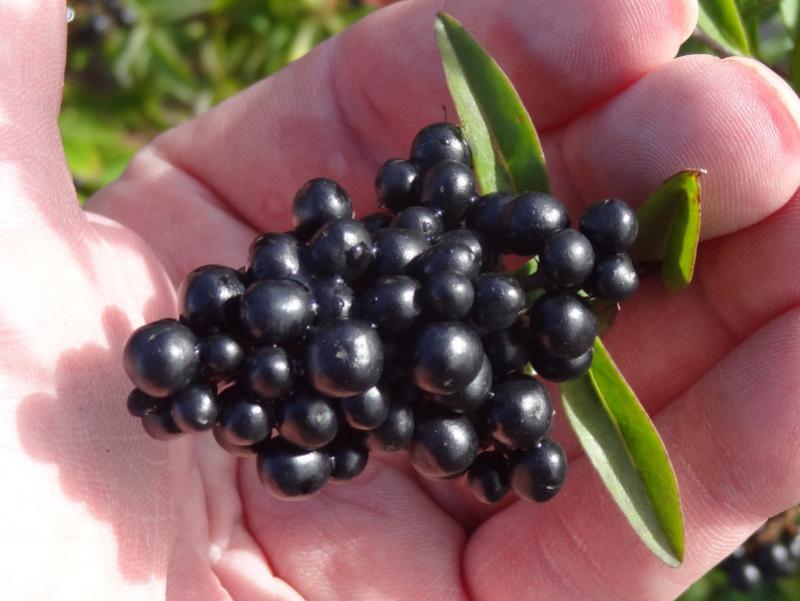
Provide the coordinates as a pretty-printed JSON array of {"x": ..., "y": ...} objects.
[{"x": 137, "y": 67}]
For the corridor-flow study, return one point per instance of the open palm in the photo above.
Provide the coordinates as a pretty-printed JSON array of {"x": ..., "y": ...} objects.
[{"x": 95, "y": 510}]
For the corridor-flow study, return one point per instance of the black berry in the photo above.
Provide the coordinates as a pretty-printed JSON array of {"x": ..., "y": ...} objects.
[
  {"x": 421, "y": 219},
  {"x": 244, "y": 419},
  {"x": 567, "y": 259},
  {"x": 499, "y": 299},
  {"x": 395, "y": 248},
  {"x": 562, "y": 325},
  {"x": 344, "y": 358},
  {"x": 141, "y": 404},
  {"x": 275, "y": 256},
  {"x": 508, "y": 349},
  {"x": 276, "y": 311},
  {"x": 349, "y": 456},
  {"x": 221, "y": 357},
  {"x": 333, "y": 298},
  {"x": 775, "y": 560},
  {"x": 443, "y": 445},
  {"x": 445, "y": 256},
  {"x": 538, "y": 473},
  {"x": 307, "y": 419},
  {"x": 447, "y": 295},
  {"x": 290, "y": 472},
  {"x": 342, "y": 247},
  {"x": 268, "y": 372},
  {"x": 209, "y": 297},
  {"x": 319, "y": 201},
  {"x": 368, "y": 410},
  {"x": 449, "y": 188},
  {"x": 519, "y": 413},
  {"x": 161, "y": 357},
  {"x": 556, "y": 369},
  {"x": 744, "y": 575},
  {"x": 392, "y": 303},
  {"x": 243, "y": 451},
  {"x": 160, "y": 425},
  {"x": 397, "y": 185},
  {"x": 488, "y": 476},
  {"x": 486, "y": 216},
  {"x": 614, "y": 278},
  {"x": 447, "y": 356},
  {"x": 438, "y": 142},
  {"x": 611, "y": 225},
  {"x": 375, "y": 222},
  {"x": 529, "y": 219},
  {"x": 396, "y": 431},
  {"x": 194, "y": 409},
  {"x": 473, "y": 395}
]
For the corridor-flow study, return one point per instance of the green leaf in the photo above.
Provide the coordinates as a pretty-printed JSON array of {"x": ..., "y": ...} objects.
[
  {"x": 790, "y": 14},
  {"x": 506, "y": 151},
  {"x": 669, "y": 228},
  {"x": 722, "y": 20},
  {"x": 624, "y": 447}
]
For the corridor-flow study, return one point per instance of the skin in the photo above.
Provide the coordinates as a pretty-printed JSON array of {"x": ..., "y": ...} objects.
[{"x": 94, "y": 509}]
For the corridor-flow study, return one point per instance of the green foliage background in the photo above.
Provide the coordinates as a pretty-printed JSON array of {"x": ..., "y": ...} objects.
[{"x": 169, "y": 60}]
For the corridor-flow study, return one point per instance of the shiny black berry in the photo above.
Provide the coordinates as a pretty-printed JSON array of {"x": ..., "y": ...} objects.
[
  {"x": 349, "y": 456},
  {"x": 268, "y": 372},
  {"x": 392, "y": 303},
  {"x": 611, "y": 225},
  {"x": 397, "y": 185},
  {"x": 562, "y": 325},
  {"x": 443, "y": 445},
  {"x": 140, "y": 404},
  {"x": 438, "y": 142},
  {"x": 468, "y": 238},
  {"x": 519, "y": 413},
  {"x": 488, "y": 476},
  {"x": 508, "y": 349},
  {"x": 567, "y": 259},
  {"x": 221, "y": 357},
  {"x": 368, "y": 410},
  {"x": 396, "y": 431},
  {"x": 375, "y": 222},
  {"x": 243, "y": 451},
  {"x": 614, "y": 278},
  {"x": 290, "y": 472},
  {"x": 209, "y": 297},
  {"x": 445, "y": 256},
  {"x": 447, "y": 295},
  {"x": 556, "y": 369},
  {"x": 395, "y": 248},
  {"x": 194, "y": 409},
  {"x": 333, "y": 298},
  {"x": 319, "y": 201},
  {"x": 449, "y": 188},
  {"x": 276, "y": 311},
  {"x": 744, "y": 575},
  {"x": 473, "y": 395},
  {"x": 447, "y": 356},
  {"x": 421, "y": 219},
  {"x": 529, "y": 219},
  {"x": 244, "y": 419},
  {"x": 275, "y": 256},
  {"x": 344, "y": 358},
  {"x": 538, "y": 473},
  {"x": 775, "y": 560},
  {"x": 342, "y": 247},
  {"x": 486, "y": 216},
  {"x": 307, "y": 419},
  {"x": 160, "y": 425},
  {"x": 499, "y": 299},
  {"x": 161, "y": 357}
]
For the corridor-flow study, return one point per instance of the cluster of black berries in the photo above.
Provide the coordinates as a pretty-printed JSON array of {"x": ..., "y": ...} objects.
[
  {"x": 771, "y": 554},
  {"x": 397, "y": 331},
  {"x": 94, "y": 19}
]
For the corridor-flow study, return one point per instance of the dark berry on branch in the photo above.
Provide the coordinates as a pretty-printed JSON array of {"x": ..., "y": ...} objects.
[
  {"x": 438, "y": 142},
  {"x": 141, "y": 404},
  {"x": 307, "y": 419},
  {"x": 420, "y": 219},
  {"x": 243, "y": 451},
  {"x": 499, "y": 299},
  {"x": 538, "y": 473},
  {"x": 397, "y": 185},
  {"x": 614, "y": 278},
  {"x": 775, "y": 560},
  {"x": 562, "y": 325},
  {"x": 268, "y": 372},
  {"x": 449, "y": 188},
  {"x": 444, "y": 445},
  {"x": 530, "y": 218},
  {"x": 567, "y": 259},
  {"x": 519, "y": 413},
  {"x": 194, "y": 409},
  {"x": 392, "y": 303},
  {"x": 333, "y": 298},
  {"x": 447, "y": 295},
  {"x": 473, "y": 396},
  {"x": 342, "y": 247},
  {"x": 395, "y": 248},
  {"x": 375, "y": 222},
  {"x": 221, "y": 357},
  {"x": 468, "y": 238},
  {"x": 744, "y": 575},
  {"x": 349, "y": 456},
  {"x": 274, "y": 256},
  {"x": 244, "y": 419},
  {"x": 488, "y": 476},
  {"x": 611, "y": 225},
  {"x": 447, "y": 356},
  {"x": 161, "y": 357},
  {"x": 507, "y": 349},
  {"x": 396, "y": 431},
  {"x": 556, "y": 369},
  {"x": 209, "y": 297},
  {"x": 160, "y": 425},
  {"x": 368, "y": 410},
  {"x": 275, "y": 311},
  {"x": 290, "y": 472},
  {"x": 319, "y": 201},
  {"x": 445, "y": 256},
  {"x": 486, "y": 216},
  {"x": 344, "y": 358}
]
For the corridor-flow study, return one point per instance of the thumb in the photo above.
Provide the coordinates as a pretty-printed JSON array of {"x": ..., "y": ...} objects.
[{"x": 35, "y": 184}]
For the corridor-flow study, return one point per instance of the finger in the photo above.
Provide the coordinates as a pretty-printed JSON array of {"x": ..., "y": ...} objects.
[
  {"x": 376, "y": 537},
  {"x": 351, "y": 104},
  {"x": 733, "y": 439}
]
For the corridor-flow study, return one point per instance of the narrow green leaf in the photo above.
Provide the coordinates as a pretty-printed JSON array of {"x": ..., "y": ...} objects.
[
  {"x": 669, "y": 228},
  {"x": 722, "y": 20},
  {"x": 506, "y": 150},
  {"x": 790, "y": 14},
  {"x": 624, "y": 447}
]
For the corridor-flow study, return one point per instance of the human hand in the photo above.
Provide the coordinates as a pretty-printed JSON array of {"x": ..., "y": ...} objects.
[{"x": 95, "y": 510}]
